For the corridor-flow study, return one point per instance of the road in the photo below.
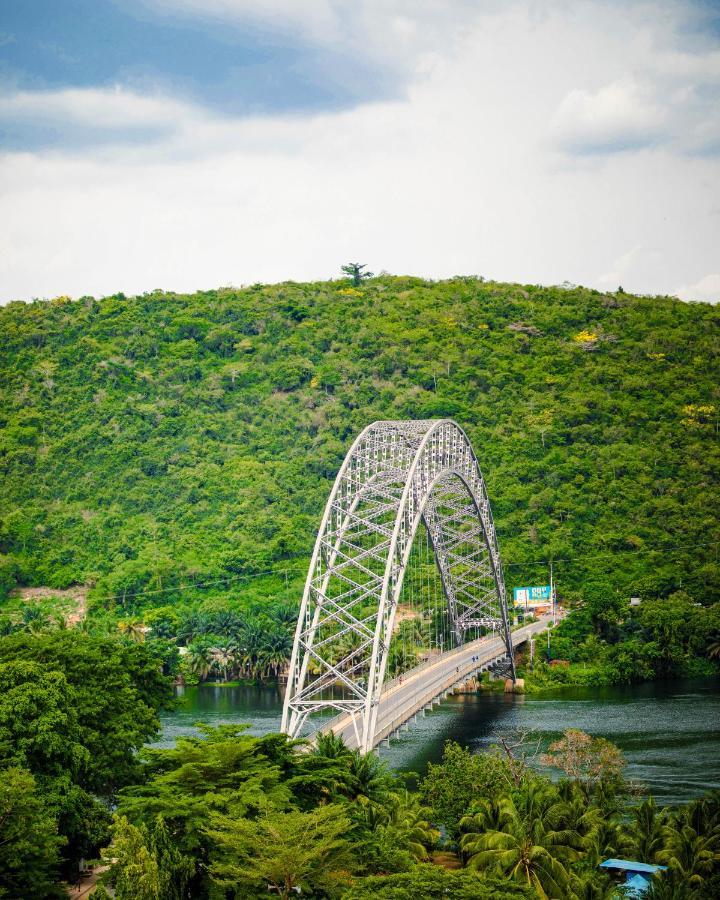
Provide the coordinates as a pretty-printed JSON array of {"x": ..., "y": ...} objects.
[{"x": 416, "y": 690}]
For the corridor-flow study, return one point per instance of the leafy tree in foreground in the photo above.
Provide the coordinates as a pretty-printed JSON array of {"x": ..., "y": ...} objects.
[
  {"x": 134, "y": 871},
  {"x": 39, "y": 726},
  {"x": 145, "y": 863},
  {"x": 115, "y": 689},
  {"x": 462, "y": 778},
  {"x": 29, "y": 843},
  {"x": 289, "y": 850},
  {"x": 74, "y": 709}
]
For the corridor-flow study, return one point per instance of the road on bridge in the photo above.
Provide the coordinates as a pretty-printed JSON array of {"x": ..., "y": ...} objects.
[{"x": 414, "y": 691}]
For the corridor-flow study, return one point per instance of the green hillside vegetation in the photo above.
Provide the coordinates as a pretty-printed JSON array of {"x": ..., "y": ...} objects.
[{"x": 174, "y": 452}]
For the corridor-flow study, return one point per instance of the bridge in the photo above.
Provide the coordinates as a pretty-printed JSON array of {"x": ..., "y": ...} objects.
[
  {"x": 417, "y": 690},
  {"x": 403, "y": 485}
]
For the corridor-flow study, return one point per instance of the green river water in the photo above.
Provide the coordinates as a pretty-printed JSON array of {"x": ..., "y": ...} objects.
[{"x": 669, "y": 732}]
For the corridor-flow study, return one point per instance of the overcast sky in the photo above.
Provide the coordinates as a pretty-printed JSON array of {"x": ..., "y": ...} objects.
[{"x": 186, "y": 144}]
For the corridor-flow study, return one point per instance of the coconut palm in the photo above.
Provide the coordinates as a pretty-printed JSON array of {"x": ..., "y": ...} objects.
[
  {"x": 692, "y": 853},
  {"x": 487, "y": 816},
  {"x": 33, "y": 620},
  {"x": 134, "y": 631},
  {"x": 574, "y": 817},
  {"x": 645, "y": 833},
  {"x": 273, "y": 653},
  {"x": 369, "y": 777},
  {"x": 403, "y": 822},
  {"x": 199, "y": 660},
  {"x": 522, "y": 849},
  {"x": 592, "y": 885},
  {"x": 605, "y": 840},
  {"x": 669, "y": 885},
  {"x": 330, "y": 746},
  {"x": 223, "y": 659}
]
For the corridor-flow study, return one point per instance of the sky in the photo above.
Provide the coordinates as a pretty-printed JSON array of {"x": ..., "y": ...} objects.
[{"x": 189, "y": 144}]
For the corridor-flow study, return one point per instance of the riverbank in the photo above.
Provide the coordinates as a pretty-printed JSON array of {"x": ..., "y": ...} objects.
[
  {"x": 559, "y": 674},
  {"x": 667, "y": 731}
]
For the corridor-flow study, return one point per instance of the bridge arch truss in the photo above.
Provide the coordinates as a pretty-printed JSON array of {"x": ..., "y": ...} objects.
[{"x": 396, "y": 475}]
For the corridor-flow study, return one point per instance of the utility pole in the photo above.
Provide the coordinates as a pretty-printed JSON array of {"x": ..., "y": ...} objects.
[{"x": 552, "y": 596}]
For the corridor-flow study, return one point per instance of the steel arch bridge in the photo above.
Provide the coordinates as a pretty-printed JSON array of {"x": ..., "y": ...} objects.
[{"x": 395, "y": 475}]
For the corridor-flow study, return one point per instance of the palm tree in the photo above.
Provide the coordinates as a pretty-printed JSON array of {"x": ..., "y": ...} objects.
[
  {"x": 329, "y": 745},
  {"x": 285, "y": 615},
  {"x": 135, "y": 631},
  {"x": 369, "y": 777},
  {"x": 522, "y": 849},
  {"x": 574, "y": 816},
  {"x": 193, "y": 625},
  {"x": 593, "y": 885},
  {"x": 690, "y": 853},
  {"x": 33, "y": 620},
  {"x": 669, "y": 885},
  {"x": 605, "y": 840},
  {"x": 223, "y": 659},
  {"x": 278, "y": 650},
  {"x": 199, "y": 660},
  {"x": 227, "y": 622},
  {"x": 251, "y": 641},
  {"x": 645, "y": 834},
  {"x": 404, "y": 822},
  {"x": 488, "y": 816}
]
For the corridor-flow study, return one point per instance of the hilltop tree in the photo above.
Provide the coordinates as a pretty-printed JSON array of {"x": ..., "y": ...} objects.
[{"x": 355, "y": 271}]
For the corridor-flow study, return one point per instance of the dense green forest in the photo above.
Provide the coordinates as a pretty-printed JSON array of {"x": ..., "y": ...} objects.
[{"x": 167, "y": 449}]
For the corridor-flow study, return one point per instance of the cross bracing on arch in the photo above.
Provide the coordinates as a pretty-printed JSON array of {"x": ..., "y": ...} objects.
[{"x": 396, "y": 476}]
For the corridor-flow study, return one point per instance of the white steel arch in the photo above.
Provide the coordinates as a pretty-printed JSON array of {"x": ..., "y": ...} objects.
[{"x": 395, "y": 475}]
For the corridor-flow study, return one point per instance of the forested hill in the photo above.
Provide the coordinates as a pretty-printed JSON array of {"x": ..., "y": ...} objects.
[{"x": 153, "y": 443}]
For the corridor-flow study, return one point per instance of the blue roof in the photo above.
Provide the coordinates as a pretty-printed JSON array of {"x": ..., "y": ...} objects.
[
  {"x": 636, "y": 885},
  {"x": 630, "y": 865}
]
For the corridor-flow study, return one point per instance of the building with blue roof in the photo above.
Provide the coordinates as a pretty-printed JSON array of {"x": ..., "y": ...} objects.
[{"x": 638, "y": 875}]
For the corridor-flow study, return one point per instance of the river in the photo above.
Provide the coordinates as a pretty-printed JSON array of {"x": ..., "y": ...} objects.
[{"x": 669, "y": 732}]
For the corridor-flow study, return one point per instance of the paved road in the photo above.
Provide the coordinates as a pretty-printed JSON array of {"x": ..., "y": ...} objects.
[{"x": 403, "y": 698}]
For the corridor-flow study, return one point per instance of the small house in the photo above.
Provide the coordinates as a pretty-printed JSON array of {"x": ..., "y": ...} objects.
[{"x": 634, "y": 876}]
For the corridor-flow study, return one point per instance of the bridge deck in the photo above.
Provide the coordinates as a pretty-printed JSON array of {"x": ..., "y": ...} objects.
[{"x": 418, "y": 688}]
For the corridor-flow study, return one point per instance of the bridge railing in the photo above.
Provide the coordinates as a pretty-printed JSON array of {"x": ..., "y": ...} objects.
[{"x": 329, "y": 724}]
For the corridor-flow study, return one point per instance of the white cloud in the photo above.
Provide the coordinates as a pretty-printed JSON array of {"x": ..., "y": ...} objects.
[
  {"x": 114, "y": 109},
  {"x": 707, "y": 289},
  {"x": 619, "y": 116},
  {"x": 459, "y": 175}
]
